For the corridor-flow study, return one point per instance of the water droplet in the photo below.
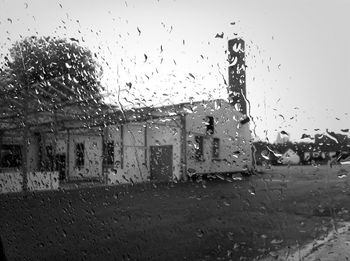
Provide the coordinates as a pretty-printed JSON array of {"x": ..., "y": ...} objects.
[
  {"x": 200, "y": 233},
  {"x": 251, "y": 190},
  {"x": 345, "y": 162},
  {"x": 276, "y": 241},
  {"x": 341, "y": 176}
]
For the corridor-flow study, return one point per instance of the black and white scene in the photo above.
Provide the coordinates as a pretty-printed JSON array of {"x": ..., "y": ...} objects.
[{"x": 175, "y": 130}]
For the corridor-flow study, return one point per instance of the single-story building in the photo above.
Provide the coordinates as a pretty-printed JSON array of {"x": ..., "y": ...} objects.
[{"x": 166, "y": 143}]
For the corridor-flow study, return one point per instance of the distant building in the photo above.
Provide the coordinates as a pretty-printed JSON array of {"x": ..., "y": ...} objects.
[
  {"x": 326, "y": 147},
  {"x": 331, "y": 141},
  {"x": 290, "y": 157}
]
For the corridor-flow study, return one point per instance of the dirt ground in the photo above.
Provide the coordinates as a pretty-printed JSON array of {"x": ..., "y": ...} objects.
[{"x": 230, "y": 218}]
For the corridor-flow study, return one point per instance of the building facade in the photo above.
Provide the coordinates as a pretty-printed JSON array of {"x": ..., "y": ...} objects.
[{"x": 167, "y": 143}]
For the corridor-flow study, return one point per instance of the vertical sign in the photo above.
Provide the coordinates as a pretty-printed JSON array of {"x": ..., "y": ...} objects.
[{"x": 236, "y": 75}]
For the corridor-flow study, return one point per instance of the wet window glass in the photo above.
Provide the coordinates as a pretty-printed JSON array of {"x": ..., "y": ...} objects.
[{"x": 174, "y": 130}]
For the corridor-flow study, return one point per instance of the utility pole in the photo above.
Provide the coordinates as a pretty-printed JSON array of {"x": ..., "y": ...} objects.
[{"x": 25, "y": 146}]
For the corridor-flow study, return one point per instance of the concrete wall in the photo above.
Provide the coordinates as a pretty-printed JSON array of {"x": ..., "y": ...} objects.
[
  {"x": 235, "y": 143},
  {"x": 12, "y": 181},
  {"x": 43, "y": 180},
  {"x": 235, "y": 149},
  {"x": 130, "y": 162},
  {"x": 135, "y": 162},
  {"x": 132, "y": 156}
]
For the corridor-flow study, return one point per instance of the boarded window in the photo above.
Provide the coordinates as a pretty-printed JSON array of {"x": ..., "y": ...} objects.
[
  {"x": 10, "y": 156},
  {"x": 210, "y": 125},
  {"x": 79, "y": 154},
  {"x": 199, "y": 148},
  {"x": 216, "y": 148},
  {"x": 109, "y": 153}
]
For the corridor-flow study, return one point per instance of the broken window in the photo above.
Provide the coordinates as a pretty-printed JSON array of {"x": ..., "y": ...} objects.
[
  {"x": 216, "y": 148},
  {"x": 10, "y": 156},
  {"x": 79, "y": 154},
  {"x": 210, "y": 125},
  {"x": 109, "y": 153}
]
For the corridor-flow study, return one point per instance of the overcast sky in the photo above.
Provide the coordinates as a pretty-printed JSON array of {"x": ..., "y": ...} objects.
[{"x": 298, "y": 52}]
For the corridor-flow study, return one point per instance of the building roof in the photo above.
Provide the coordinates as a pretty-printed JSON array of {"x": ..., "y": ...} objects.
[{"x": 50, "y": 105}]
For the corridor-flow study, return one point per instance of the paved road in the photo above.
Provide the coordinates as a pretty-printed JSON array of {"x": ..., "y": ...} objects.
[{"x": 223, "y": 219}]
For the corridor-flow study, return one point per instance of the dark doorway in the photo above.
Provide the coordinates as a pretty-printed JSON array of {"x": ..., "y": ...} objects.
[
  {"x": 61, "y": 166},
  {"x": 161, "y": 163}
]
